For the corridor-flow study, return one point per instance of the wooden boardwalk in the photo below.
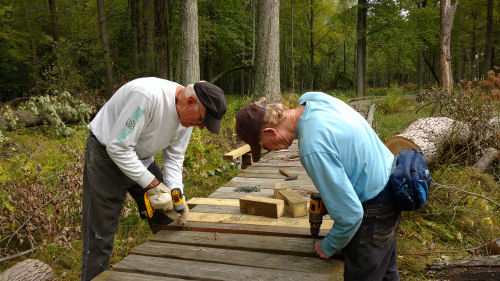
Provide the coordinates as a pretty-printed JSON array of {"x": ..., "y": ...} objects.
[{"x": 220, "y": 243}]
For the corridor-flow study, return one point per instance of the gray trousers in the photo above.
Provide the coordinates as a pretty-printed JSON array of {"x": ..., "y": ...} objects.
[
  {"x": 104, "y": 191},
  {"x": 371, "y": 254}
]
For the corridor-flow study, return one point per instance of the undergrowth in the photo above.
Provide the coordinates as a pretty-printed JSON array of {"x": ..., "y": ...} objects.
[{"x": 42, "y": 169}]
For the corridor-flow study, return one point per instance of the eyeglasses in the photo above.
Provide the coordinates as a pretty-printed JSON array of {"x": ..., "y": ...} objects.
[{"x": 201, "y": 122}]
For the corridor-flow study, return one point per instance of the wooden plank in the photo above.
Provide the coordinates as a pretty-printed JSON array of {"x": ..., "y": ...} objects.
[
  {"x": 255, "y": 220},
  {"x": 213, "y": 201},
  {"x": 246, "y": 242},
  {"x": 239, "y": 257},
  {"x": 242, "y": 229},
  {"x": 216, "y": 209},
  {"x": 237, "y": 152},
  {"x": 231, "y": 205},
  {"x": 262, "y": 206},
  {"x": 110, "y": 275},
  {"x": 295, "y": 204},
  {"x": 231, "y": 194},
  {"x": 296, "y": 185},
  {"x": 207, "y": 271},
  {"x": 250, "y": 181},
  {"x": 228, "y": 192}
]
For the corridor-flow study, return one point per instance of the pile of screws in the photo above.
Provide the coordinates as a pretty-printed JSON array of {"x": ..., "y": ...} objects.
[{"x": 247, "y": 189}]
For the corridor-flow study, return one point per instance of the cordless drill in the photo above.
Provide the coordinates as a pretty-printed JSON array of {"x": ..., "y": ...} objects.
[
  {"x": 177, "y": 200},
  {"x": 316, "y": 212}
]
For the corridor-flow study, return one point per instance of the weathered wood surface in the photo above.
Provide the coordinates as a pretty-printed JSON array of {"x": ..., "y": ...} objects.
[
  {"x": 187, "y": 269},
  {"x": 221, "y": 243}
]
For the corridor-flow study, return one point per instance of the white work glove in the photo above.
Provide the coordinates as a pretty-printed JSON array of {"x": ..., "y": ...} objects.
[
  {"x": 160, "y": 197},
  {"x": 179, "y": 218}
]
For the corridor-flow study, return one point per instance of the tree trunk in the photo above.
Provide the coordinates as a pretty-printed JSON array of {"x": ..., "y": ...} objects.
[
  {"x": 134, "y": 23},
  {"x": 267, "y": 64},
  {"x": 170, "y": 60},
  {"x": 488, "y": 53},
  {"x": 485, "y": 268},
  {"x": 53, "y": 20},
  {"x": 189, "y": 46},
  {"x": 447, "y": 15},
  {"x": 311, "y": 50},
  {"x": 35, "y": 60},
  {"x": 29, "y": 270},
  {"x": 429, "y": 135},
  {"x": 105, "y": 44},
  {"x": 361, "y": 54},
  {"x": 161, "y": 39},
  {"x": 421, "y": 56},
  {"x": 420, "y": 70},
  {"x": 292, "y": 50}
]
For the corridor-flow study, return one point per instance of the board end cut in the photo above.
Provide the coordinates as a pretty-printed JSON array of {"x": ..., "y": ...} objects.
[{"x": 262, "y": 206}]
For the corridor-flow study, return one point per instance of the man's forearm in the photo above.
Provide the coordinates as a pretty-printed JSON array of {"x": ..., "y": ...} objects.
[{"x": 154, "y": 183}]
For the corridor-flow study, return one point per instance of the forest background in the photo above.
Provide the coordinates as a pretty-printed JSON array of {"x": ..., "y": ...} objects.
[{"x": 64, "y": 58}]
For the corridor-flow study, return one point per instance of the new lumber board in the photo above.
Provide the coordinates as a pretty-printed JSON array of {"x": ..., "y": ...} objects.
[
  {"x": 237, "y": 152},
  {"x": 282, "y": 231},
  {"x": 239, "y": 257},
  {"x": 262, "y": 206},
  {"x": 255, "y": 220},
  {"x": 213, "y": 201},
  {"x": 207, "y": 271}
]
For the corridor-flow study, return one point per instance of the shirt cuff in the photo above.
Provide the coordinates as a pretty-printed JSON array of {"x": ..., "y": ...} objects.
[
  {"x": 327, "y": 249},
  {"x": 145, "y": 179}
]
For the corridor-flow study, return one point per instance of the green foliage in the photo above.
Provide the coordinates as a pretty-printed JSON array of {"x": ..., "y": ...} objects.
[
  {"x": 394, "y": 102},
  {"x": 59, "y": 107}
]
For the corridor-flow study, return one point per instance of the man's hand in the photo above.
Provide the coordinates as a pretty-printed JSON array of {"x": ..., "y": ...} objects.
[
  {"x": 179, "y": 218},
  {"x": 319, "y": 251},
  {"x": 160, "y": 198}
]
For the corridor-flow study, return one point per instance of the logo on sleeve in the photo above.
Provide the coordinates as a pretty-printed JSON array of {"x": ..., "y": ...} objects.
[{"x": 130, "y": 124}]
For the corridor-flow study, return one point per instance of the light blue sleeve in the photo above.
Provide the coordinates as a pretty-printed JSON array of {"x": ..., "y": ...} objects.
[{"x": 339, "y": 197}]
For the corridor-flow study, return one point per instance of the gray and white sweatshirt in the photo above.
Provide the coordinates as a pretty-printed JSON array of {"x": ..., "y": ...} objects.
[{"x": 138, "y": 121}]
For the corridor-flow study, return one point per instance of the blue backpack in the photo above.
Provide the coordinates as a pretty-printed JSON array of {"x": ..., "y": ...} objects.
[{"x": 410, "y": 180}]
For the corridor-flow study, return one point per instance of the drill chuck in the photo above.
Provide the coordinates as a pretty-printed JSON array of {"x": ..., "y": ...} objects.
[
  {"x": 178, "y": 200},
  {"x": 316, "y": 212}
]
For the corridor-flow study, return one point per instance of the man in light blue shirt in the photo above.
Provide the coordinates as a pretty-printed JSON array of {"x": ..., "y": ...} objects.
[{"x": 350, "y": 167}]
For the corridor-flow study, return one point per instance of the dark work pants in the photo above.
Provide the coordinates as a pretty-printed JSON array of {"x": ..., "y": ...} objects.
[
  {"x": 371, "y": 254},
  {"x": 104, "y": 190}
]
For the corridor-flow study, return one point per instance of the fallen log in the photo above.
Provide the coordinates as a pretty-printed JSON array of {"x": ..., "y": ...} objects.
[
  {"x": 485, "y": 268},
  {"x": 29, "y": 270},
  {"x": 489, "y": 155},
  {"x": 429, "y": 135}
]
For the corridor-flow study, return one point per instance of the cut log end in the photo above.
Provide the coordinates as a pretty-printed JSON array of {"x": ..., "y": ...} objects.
[
  {"x": 398, "y": 143},
  {"x": 29, "y": 269}
]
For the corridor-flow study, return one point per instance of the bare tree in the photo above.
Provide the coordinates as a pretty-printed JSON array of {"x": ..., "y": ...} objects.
[
  {"x": 267, "y": 60},
  {"x": 447, "y": 15},
  {"x": 361, "y": 49},
  {"x": 489, "y": 38},
  {"x": 53, "y": 20},
  {"x": 105, "y": 44},
  {"x": 292, "y": 50},
  {"x": 311, "y": 46},
  {"x": 189, "y": 43},
  {"x": 134, "y": 20},
  {"x": 161, "y": 39}
]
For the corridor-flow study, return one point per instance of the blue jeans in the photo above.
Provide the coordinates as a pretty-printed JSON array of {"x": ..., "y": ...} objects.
[{"x": 371, "y": 254}]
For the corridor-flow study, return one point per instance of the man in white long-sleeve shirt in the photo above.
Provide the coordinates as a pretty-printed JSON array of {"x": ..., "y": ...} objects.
[{"x": 143, "y": 117}]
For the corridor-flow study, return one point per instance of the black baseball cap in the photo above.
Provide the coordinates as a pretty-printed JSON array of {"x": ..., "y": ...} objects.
[
  {"x": 212, "y": 97},
  {"x": 249, "y": 120}
]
